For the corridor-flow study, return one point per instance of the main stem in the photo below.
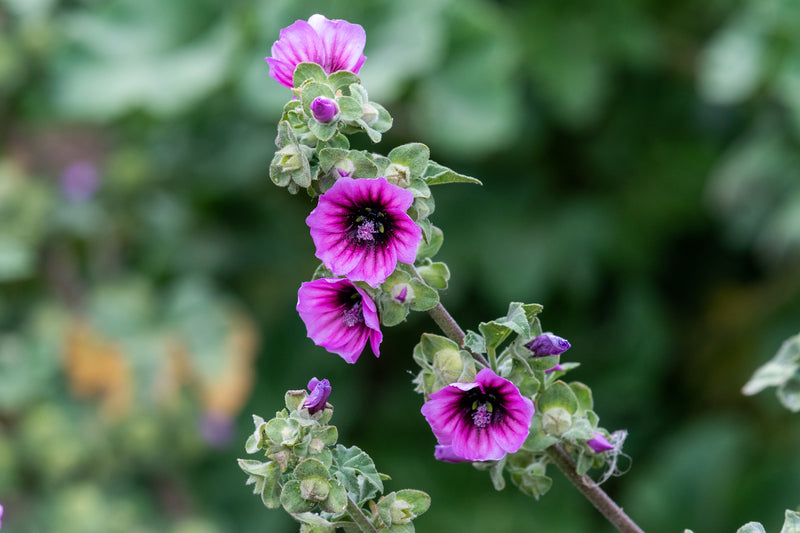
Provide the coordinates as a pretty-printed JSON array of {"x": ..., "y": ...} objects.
[
  {"x": 592, "y": 491},
  {"x": 359, "y": 517},
  {"x": 557, "y": 454}
]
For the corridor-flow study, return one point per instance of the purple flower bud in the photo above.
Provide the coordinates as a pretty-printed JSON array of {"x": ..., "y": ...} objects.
[
  {"x": 318, "y": 395},
  {"x": 554, "y": 369},
  {"x": 599, "y": 443},
  {"x": 547, "y": 344},
  {"x": 345, "y": 168},
  {"x": 79, "y": 181},
  {"x": 324, "y": 109}
]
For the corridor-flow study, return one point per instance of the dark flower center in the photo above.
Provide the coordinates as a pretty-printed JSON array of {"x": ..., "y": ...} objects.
[
  {"x": 483, "y": 408},
  {"x": 369, "y": 225},
  {"x": 353, "y": 312}
]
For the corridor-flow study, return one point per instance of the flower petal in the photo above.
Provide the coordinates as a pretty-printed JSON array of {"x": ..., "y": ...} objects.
[{"x": 343, "y": 43}]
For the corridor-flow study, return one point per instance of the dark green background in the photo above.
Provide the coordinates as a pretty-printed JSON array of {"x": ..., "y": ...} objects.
[{"x": 640, "y": 169}]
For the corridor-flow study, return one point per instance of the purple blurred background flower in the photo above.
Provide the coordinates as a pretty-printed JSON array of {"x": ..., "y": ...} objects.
[
  {"x": 324, "y": 109},
  {"x": 332, "y": 44},
  {"x": 340, "y": 317},
  {"x": 318, "y": 397},
  {"x": 480, "y": 421},
  {"x": 599, "y": 443},
  {"x": 217, "y": 429},
  {"x": 1, "y": 514},
  {"x": 361, "y": 230},
  {"x": 79, "y": 181},
  {"x": 548, "y": 344}
]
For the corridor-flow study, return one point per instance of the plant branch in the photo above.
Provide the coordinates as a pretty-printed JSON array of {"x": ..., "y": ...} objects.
[
  {"x": 359, "y": 517},
  {"x": 450, "y": 327},
  {"x": 592, "y": 491}
]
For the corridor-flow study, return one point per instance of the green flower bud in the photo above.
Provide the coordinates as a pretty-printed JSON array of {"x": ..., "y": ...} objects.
[
  {"x": 397, "y": 174},
  {"x": 315, "y": 446},
  {"x": 556, "y": 421},
  {"x": 290, "y": 158},
  {"x": 447, "y": 365},
  {"x": 401, "y": 512},
  {"x": 314, "y": 489},
  {"x": 369, "y": 114}
]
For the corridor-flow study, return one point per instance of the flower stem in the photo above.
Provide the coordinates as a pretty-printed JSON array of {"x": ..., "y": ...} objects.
[
  {"x": 359, "y": 517},
  {"x": 592, "y": 491},
  {"x": 450, "y": 327}
]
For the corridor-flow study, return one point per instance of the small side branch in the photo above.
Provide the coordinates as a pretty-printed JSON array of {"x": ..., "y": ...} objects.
[{"x": 592, "y": 491}]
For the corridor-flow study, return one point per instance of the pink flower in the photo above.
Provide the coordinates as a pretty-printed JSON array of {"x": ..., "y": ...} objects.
[
  {"x": 340, "y": 317},
  {"x": 332, "y": 44},
  {"x": 479, "y": 421},
  {"x": 361, "y": 230}
]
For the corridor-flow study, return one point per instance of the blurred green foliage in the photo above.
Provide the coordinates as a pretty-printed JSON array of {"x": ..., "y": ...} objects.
[{"x": 640, "y": 162}]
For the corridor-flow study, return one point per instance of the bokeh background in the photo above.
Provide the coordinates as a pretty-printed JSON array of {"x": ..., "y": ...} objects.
[{"x": 641, "y": 169}]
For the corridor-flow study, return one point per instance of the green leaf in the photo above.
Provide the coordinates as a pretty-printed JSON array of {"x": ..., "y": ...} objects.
[
  {"x": 559, "y": 394},
  {"x": 496, "y": 474},
  {"x": 789, "y": 394},
  {"x": 420, "y": 501},
  {"x": 292, "y": 499},
  {"x": 538, "y": 440},
  {"x": 425, "y": 297},
  {"x": 493, "y": 333},
  {"x": 392, "y": 311},
  {"x": 436, "y": 174},
  {"x": 341, "y": 80},
  {"x": 349, "y": 109},
  {"x": 516, "y": 319},
  {"x": 308, "y": 71},
  {"x": 475, "y": 342},
  {"x": 435, "y": 275},
  {"x": 415, "y": 156},
  {"x": 584, "y": 396},
  {"x": 429, "y": 248},
  {"x": 336, "y": 502},
  {"x": 791, "y": 522},
  {"x": 357, "y": 472},
  {"x": 751, "y": 527},
  {"x": 311, "y": 468}
]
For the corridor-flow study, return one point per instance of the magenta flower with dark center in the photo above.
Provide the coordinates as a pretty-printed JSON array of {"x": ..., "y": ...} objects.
[
  {"x": 548, "y": 344},
  {"x": 318, "y": 395},
  {"x": 332, "y": 44},
  {"x": 479, "y": 421},
  {"x": 361, "y": 229},
  {"x": 340, "y": 317}
]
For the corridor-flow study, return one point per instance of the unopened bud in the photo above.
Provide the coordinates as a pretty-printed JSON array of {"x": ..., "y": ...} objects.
[
  {"x": 556, "y": 421},
  {"x": 369, "y": 114},
  {"x": 324, "y": 109},
  {"x": 548, "y": 344},
  {"x": 398, "y": 175}
]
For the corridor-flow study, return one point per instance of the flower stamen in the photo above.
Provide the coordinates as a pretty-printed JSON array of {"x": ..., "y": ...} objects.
[
  {"x": 354, "y": 315},
  {"x": 482, "y": 414}
]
